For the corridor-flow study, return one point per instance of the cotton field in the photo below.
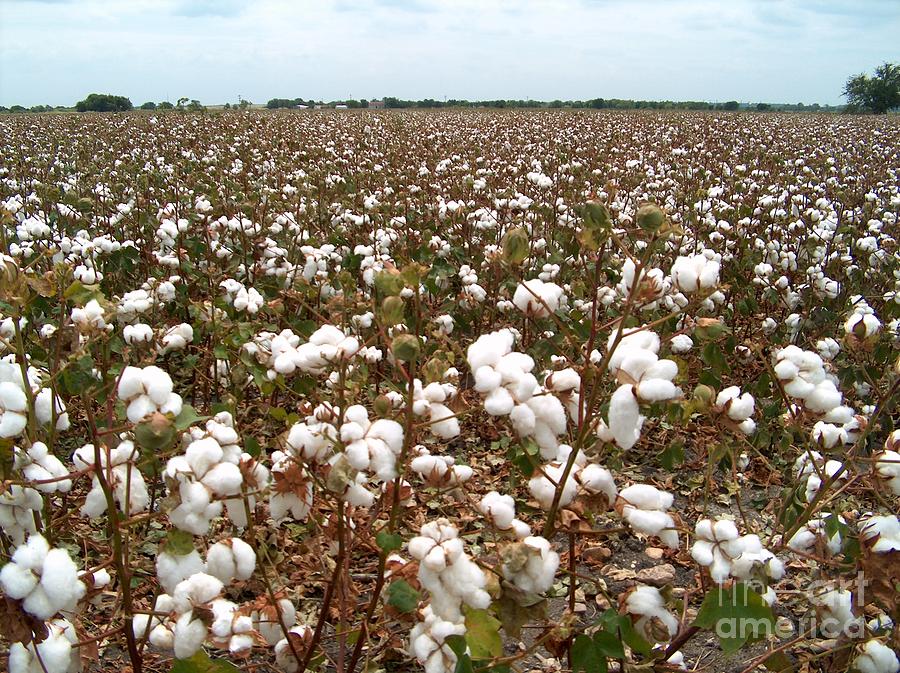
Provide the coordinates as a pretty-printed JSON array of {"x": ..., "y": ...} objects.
[{"x": 450, "y": 391}]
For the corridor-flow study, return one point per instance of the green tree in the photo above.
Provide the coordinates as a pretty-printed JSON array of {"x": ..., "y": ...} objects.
[
  {"x": 877, "y": 94},
  {"x": 149, "y": 105},
  {"x": 165, "y": 105},
  {"x": 103, "y": 102}
]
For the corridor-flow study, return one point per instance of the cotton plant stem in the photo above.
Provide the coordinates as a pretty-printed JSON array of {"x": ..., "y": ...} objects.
[{"x": 115, "y": 532}]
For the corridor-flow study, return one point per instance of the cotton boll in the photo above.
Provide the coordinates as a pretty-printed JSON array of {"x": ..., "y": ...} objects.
[
  {"x": 624, "y": 417},
  {"x": 189, "y": 634},
  {"x": 876, "y": 658},
  {"x": 499, "y": 402},
  {"x": 500, "y": 508},
  {"x": 681, "y": 343},
  {"x": 231, "y": 559}
]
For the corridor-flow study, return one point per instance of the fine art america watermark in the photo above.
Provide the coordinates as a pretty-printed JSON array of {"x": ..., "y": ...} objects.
[{"x": 829, "y": 622}]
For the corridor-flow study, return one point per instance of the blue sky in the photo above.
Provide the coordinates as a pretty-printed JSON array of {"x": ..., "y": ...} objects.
[{"x": 57, "y": 51}]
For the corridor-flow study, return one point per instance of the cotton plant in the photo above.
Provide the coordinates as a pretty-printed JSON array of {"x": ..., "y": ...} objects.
[
  {"x": 438, "y": 470},
  {"x": 452, "y": 580},
  {"x": 54, "y": 654},
  {"x": 503, "y": 376},
  {"x": 585, "y": 478},
  {"x": 881, "y": 533},
  {"x": 876, "y": 657},
  {"x": 529, "y": 564},
  {"x": 642, "y": 377},
  {"x": 719, "y": 547},
  {"x": 19, "y": 505},
  {"x": 430, "y": 401},
  {"x": 538, "y": 299},
  {"x": 501, "y": 512},
  {"x": 737, "y": 407},
  {"x": 147, "y": 391},
  {"x": 886, "y": 463},
  {"x": 836, "y": 615},
  {"x": 44, "y": 578},
  {"x": 647, "y": 609},
  {"x": 119, "y": 469},
  {"x": 813, "y": 538},
  {"x": 42, "y": 468},
  {"x": 695, "y": 273},
  {"x": 644, "y": 509},
  {"x": 284, "y": 354}
]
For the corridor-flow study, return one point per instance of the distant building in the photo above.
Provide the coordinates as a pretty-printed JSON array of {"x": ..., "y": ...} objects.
[
  {"x": 376, "y": 104},
  {"x": 340, "y": 107},
  {"x": 303, "y": 107}
]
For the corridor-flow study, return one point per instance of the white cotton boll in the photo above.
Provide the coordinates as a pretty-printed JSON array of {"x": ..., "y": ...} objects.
[
  {"x": 488, "y": 349},
  {"x": 13, "y": 409},
  {"x": 827, "y": 435},
  {"x": 881, "y": 533},
  {"x": 653, "y": 522},
  {"x": 887, "y": 466},
  {"x": 681, "y": 343},
  {"x": 357, "y": 495},
  {"x": 644, "y": 496},
  {"x": 824, "y": 397},
  {"x": 157, "y": 383},
  {"x": 501, "y": 509},
  {"x": 59, "y": 578},
  {"x": 196, "y": 591},
  {"x": 202, "y": 454},
  {"x": 657, "y": 390},
  {"x": 224, "y": 479},
  {"x": 171, "y": 569},
  {"x": 836, "y": 613},
  {"x": 522, "y": 419},
  {"x": 444, "y": 423},
  {"x": 189, "y": 634},
  {"x": 44, "y": 408},
  {"x": 876, "y": 658},
  {"x": 390, "y": 432},
  {"x": 624, "y": 417},
  {"x": 487, "y": 379},
  {"x": 499, "y": 402},
  {"x": 139, "y": 408},
  {"x": 17, "y": 581},
  {"x": 597, "y": 479},
  {"x": 231, "y": 559}
]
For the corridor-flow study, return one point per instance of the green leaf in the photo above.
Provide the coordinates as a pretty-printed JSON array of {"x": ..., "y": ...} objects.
[
  {"x": 201, "y": 663},
  {"x": 463, "y": 661},
  {"x": 483, "y": 634},
  {"x": 737, "y": 615},
  {"x": 402, "y": 596},
  {"x": 586, "y": 657},
  {"x": 187, "y": 417},
  {"x": 179, "y": 542},
  {"x": 388, "y": 542},
  {"x": 609, "y": 644}
]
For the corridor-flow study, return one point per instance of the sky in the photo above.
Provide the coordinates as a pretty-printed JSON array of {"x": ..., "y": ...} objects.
[{"x": 57, "y": 51}]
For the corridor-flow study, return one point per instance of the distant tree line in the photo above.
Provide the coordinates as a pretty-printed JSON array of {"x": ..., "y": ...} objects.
[
  {"x": 593, "y": 103},
  {"x": 103, "y": 102}
]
